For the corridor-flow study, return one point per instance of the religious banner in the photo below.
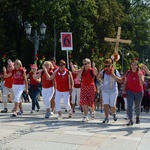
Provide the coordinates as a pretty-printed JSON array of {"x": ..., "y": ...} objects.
[{"x": 66, "y": 41}]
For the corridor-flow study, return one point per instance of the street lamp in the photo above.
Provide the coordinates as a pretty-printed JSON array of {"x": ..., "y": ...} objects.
[{"x": 35, "y": 38}]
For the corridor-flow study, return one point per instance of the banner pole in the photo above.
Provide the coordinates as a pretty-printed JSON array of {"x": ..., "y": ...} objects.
[{"x": 67, "y": 59}]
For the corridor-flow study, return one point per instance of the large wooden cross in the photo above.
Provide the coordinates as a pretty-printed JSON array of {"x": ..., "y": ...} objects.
[{"x": 116, "y": 40}]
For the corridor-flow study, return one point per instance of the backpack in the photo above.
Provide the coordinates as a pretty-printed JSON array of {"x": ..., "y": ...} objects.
[{"x": 118, "y": 84}]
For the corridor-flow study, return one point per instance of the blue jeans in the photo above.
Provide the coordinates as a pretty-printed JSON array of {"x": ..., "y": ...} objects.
[
  {"x": 34, "y": 94},
  {"x": 136, "y": 98}
]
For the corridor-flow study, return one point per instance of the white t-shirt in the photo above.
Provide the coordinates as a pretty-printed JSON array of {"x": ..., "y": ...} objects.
[{"x": 107, "y": 80}]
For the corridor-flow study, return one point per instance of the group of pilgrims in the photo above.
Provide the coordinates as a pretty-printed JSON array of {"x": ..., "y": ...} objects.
[{"x": 87, "y": 87}]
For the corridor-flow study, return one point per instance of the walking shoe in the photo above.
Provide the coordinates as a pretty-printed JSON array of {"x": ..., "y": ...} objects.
[
  {"x": 81, "y": 109},
  {"x": 92, "y": 116},
  {"x": 14, "y": 115},
  {"x": 137, "y": 120},
  {"x": 38, "y": 110},
  {"x": 5, "y": 110},
  {"x": 101, "y": 111},
  {"x": 126, "y": 118},
  {"x": 59, "y": 117},
  {"x": 20, "y": 112},
  {"x": 47, "y": 115},
  {"x": 32, "y": 111},
  {"x": 106, "y": 120},
  {"x": 114, "y": 117},
  {"x": 85, "y": 119},
  {"x": 70, "y": 113},
  {"x": 52, "y": 113},
  {"x": 130, "y": 123}
]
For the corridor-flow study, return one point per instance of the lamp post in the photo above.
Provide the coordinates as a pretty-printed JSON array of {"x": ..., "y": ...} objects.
[{"x": 35, "y": 38}]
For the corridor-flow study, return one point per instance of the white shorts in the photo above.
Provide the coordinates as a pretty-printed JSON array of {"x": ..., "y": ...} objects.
[
  {"x": 47, "y": 94},
  {"x": 6, "y": 91},
  {"x": 18, "y": 90},
  {"x": 109, "y": 98}
]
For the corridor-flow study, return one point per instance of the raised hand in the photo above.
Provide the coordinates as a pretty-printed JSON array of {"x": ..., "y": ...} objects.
[
  {"x": 4, "y": 69},
  {"x": 71, "y": 64},
  {"x": 93, "y": 64}
]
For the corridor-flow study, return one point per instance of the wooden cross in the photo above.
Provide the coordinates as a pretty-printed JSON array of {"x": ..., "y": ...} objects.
[{"x": 116, "y": 40}]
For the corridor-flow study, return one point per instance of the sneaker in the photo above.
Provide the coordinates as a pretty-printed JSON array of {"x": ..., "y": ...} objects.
[
  {"x": 70, "y": 114},
  {"x": 101, "y": 111},
  {"x": 130, "y": 123},
  {"x": 137, "y": 120},
  {"x": 5, "y": 110},
  {"x": 106, "y": 120},
  {"x": 14, "y": 115},
  {"x": 92, "y": 116},
  {"x": 32, "y": 111},
  {"x": 114, "y": 117},
  {"x": 52, "y": 113},
  {"x": 38, "y": 110},
  {"x": 47, "y": 115},
  {"x": 126, "y": 118},
  {"x": 59, "y": 117},
  {"x": 73, "y": 111},
  {"x": 85, "y": 119},
  {"x": 20, "y": 112}
]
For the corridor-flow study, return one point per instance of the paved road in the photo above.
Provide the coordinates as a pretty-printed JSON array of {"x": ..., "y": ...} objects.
[{"x": 33, "y": 132}]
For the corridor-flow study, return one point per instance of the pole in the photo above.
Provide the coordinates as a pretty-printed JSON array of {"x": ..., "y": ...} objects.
[
  {"x": 36, "y": 46},
  {"x": 67, "y": 60},
  {"x": 55, "y": 38}
]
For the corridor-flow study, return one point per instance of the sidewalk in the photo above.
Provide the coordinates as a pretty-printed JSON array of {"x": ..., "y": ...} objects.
[{"x": 33, "y": 132}]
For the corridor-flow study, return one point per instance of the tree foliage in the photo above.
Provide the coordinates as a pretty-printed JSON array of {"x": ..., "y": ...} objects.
[{"x": 88, "y": 20}]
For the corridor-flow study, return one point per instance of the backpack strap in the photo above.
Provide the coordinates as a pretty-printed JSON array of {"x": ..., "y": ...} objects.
[
  {"x": 115, "y": 71},
  {"x": 103, "y": 74}
]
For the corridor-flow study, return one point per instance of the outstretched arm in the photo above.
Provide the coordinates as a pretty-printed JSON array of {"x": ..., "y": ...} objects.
[
  {"x": 73, "y": 69},
  {"x": 144, "y": 67},
  {"x": 95, "y": 69}
]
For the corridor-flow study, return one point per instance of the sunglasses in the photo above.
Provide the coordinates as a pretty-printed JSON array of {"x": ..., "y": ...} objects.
[
  {"x": 16, "y": 64},
  {"x": 107, "y": 65},
  {"x": 85, "y": 63},
  {"x": 61, "y": 65}
]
